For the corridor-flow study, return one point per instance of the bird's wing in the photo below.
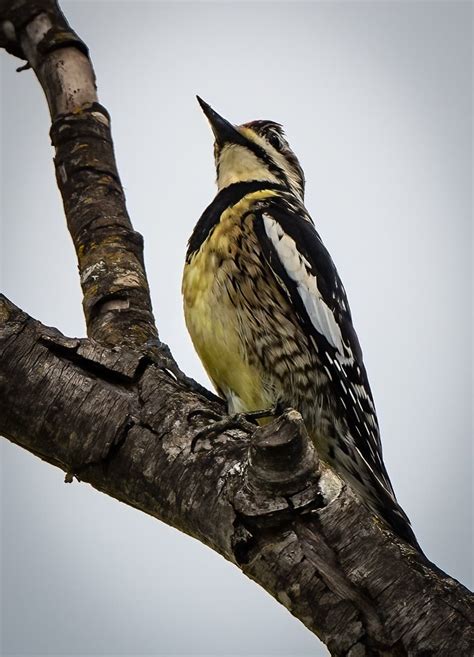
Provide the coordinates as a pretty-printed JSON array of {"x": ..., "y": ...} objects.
[{"x": 307, "y": 275}]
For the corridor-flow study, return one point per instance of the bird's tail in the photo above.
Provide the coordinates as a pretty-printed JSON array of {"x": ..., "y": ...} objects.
[
  {"x": 381, "y": 500},
  {"x": 371, "y": 483}
]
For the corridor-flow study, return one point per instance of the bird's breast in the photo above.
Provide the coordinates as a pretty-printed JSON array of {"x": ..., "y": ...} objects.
[
  {"x": 215, "y": 318},
  {"x": 242, "y": 325}
]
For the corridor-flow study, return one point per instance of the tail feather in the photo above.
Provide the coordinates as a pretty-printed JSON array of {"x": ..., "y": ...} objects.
[{"x": 375, "y": 491}]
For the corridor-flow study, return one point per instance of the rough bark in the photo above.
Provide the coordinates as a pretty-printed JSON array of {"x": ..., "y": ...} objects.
[
  {"x": 113, "y": 410},
  {"x": 116, "y": 302},
  {"x": 117, "y": 420}
]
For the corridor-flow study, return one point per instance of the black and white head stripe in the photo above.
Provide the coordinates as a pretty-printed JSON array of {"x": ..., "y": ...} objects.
[
  {"x": 254, "y": 151},
  {"x": 280, "y": 154},
  {"x": 274, "y": 134},
  {"x": 258, "y": 151}
]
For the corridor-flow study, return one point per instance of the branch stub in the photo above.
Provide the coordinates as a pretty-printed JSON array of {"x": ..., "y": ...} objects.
[
  {"x": 282, "y": 458},
  {"x": 282, "y": 469}
]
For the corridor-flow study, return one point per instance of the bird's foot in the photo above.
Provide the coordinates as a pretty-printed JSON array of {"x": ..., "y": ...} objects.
[
  {"x": 246, "y": 422},
  {"x": 220, "y": 424},
  {"x": 274, "y": 411}
]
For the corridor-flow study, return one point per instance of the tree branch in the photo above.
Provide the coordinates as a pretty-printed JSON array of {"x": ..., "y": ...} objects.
[
  {"x": 117, "y": 303},
  {"x": 119, "y": 422},
  {"x": 108, "y": 412}
]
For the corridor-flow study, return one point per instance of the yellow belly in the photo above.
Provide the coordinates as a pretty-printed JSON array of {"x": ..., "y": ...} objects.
[
  {"x": 213, "y": 324},
  {"x": 217, "y": 324}
]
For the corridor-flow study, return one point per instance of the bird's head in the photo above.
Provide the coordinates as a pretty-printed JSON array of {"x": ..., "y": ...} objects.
[{"x": 256, "y": 150}]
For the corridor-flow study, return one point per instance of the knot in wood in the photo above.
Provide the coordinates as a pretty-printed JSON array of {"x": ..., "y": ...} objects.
[
  {"x": 281, "y": 457},
  {"x": 281, "y": 475},
  {"x": 92, "y": 122}
]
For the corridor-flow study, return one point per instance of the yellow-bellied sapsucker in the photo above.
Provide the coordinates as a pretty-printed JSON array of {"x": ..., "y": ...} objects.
[{"x": 268, "y": 314}]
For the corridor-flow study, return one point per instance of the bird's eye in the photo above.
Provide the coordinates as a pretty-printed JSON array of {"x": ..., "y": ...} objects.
[{"x": 275, "y": 140}]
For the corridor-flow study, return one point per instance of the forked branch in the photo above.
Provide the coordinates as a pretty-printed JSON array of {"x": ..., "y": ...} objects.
[{"x": 107, "y": 410}]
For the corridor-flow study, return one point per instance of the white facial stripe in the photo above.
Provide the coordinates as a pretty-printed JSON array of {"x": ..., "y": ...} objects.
[
  {"x": 237, "y": 164},
  {"x": 278, "y": 158},
  {"x": 296, "y": 267}
]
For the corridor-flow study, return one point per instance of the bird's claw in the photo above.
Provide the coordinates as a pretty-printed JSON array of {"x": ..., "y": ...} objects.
[{"x": 246, "y": 422}]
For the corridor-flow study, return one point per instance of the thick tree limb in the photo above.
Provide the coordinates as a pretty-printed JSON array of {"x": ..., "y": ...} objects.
[
  {"x": 127, "y": 427},
  {"x": 108, "y": 411}
]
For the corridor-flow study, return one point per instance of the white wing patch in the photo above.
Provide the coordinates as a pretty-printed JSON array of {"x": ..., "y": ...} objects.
[{"x": 298, "y": 269}]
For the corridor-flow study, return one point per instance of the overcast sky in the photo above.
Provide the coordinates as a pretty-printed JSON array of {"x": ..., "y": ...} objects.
[{"x": 376, "y": 102}]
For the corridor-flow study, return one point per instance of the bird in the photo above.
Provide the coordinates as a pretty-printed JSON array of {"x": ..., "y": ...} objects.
[{"x": 268, "y": 314}]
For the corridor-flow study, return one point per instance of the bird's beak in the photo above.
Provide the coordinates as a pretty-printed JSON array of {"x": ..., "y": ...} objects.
[{"x": 223, "y": 130}]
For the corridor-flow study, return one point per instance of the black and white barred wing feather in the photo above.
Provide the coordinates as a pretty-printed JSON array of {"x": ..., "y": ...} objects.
[{"x": 306, "y": 274}]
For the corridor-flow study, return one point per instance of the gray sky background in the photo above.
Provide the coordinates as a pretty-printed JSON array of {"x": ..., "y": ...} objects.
[{"x": 376, "y": 102}]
